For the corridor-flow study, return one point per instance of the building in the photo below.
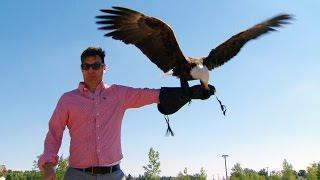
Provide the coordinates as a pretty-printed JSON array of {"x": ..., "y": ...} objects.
[{"x": 3, "y": 171}]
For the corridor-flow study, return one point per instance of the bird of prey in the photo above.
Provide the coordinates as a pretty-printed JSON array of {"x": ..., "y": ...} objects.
[{"x": 157, "y": 41}]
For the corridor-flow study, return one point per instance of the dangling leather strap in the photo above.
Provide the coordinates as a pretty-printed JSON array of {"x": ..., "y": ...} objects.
[
  {"x": 223, "y": 107},
  {"x": 169, "y": 130}
]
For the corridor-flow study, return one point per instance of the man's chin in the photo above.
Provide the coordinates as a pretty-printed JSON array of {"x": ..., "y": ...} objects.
[{"x": 92, "y": 78}]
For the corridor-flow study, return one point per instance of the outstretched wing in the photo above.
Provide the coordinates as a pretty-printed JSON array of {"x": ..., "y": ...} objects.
[
  {"x": 152, "y": 36},
  {"x": 230, "y": 48}
]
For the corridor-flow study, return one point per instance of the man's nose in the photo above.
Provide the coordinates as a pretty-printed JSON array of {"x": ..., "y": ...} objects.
[{"x": 90, "y": 70}]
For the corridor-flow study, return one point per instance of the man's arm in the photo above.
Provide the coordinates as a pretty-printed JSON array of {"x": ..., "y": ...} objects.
[
  {"x": 53, "y": 139},
  {"x": 137, "y": 97},
  {"x": 169, "y": 100}
]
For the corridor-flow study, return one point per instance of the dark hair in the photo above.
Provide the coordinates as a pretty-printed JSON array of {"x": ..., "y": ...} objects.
[{"x": 93, "y": 51}]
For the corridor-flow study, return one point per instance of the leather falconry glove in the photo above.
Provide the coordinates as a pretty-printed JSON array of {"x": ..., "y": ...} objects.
[{"x": 173, "y": 98}]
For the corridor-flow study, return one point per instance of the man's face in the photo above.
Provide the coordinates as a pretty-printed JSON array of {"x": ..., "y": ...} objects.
[{"x": 92, "y": 69}]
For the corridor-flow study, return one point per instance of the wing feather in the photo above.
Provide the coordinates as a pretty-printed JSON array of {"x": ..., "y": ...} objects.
[
  {"x": 152, "y": 36},
  {"x": 230, "y": 48}
]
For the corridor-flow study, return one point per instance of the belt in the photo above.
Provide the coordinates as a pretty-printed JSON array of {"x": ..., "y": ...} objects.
[{"x": 100, "y": 169}]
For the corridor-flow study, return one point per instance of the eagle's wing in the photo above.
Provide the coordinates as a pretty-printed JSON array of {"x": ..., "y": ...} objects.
[
  {"x": 230, "y": 48},
  {"x": 152, "y": 36}
]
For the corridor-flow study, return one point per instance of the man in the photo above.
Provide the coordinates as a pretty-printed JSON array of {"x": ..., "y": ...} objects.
[{"x": 93, "y": 114}]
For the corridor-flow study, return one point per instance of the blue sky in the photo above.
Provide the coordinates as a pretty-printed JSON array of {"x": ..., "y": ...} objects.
[{"x": 270, "y": 88}]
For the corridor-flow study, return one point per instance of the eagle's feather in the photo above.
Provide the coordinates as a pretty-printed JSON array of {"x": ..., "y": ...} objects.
[
  {"x": 157, "y": 40},
  {"x": 152, "y": 36}
]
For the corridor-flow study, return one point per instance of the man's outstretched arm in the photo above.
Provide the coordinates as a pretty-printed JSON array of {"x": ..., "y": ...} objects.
[
  {"x": 138, "y": 97},
  {"x": 169, "y": 99}
]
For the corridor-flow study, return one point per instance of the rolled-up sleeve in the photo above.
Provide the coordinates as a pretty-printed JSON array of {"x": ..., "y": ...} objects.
[
  {"x": 137, "y": 97},
  {"x": 53, "y": 139}
]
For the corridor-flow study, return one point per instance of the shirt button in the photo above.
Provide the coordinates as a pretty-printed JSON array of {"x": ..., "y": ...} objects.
[
  {"x": 98, "y": 150},
  {"x": 98, "y": 125},
  {"x": 97, "y": 114},
  {"x": 98, "y": 137}
]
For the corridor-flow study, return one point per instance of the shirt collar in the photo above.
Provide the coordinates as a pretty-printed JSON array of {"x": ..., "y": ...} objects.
[{"x": 82, "y": 88}]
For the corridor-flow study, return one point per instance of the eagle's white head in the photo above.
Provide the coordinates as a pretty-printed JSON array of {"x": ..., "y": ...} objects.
[{"x": 201, "y": 72}]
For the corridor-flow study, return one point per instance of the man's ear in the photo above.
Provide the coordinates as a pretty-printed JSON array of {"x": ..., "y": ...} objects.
[{"x": 104, "y": 68}]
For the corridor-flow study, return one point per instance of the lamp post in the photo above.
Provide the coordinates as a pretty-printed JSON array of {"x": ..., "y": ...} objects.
[{"x": 225, "y": 164}]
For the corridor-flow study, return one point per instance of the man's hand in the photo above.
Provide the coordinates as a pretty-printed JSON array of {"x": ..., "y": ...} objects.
[
  {"x": 172, "y": 99},
  {"x": 49, "y": 172},
  {"x": 198, "y": 92}
]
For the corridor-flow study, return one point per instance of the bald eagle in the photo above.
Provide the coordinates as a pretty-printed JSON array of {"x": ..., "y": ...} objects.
[{"x": 157, "y": 41}]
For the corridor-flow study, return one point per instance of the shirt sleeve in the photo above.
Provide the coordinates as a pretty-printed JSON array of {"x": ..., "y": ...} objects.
[
  {"x": 53, "y": 139},
  {"x": 137, "y": 97}
]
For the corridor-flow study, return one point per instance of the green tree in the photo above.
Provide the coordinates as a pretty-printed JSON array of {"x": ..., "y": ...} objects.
[
  {"x": 35, "y": 174},
  {"x": 202, "y": 174},
  {"x": 313, "y": 171},
  {"x": 302, "y": 174},
  {"x": 152, "y": 170},
  {"x": 275, "y": 175},
  {"x": 236, "y": 172},
  {"x": 35, "y": 164},
  {"x": 12, "y": 175},
  {"x": 239, "y": 173},
  {"x": 61, "y": 167},
  {"x": 287, "y": 171},
  {"x": 318, "y": 170},
  {"x": 263, "y": 172},
  {"x": 252, "y": 174},
  {"x": 183, "y": 176},
  {"x": 23, "y": 175},
  {"x": 32, "y": 175}
]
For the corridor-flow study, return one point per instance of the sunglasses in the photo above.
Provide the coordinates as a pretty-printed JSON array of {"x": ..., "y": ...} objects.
[{"x": 94, "y": 66}]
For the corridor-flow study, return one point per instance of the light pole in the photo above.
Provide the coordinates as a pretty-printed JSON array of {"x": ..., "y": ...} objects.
[{"x": 225, "y": 164}]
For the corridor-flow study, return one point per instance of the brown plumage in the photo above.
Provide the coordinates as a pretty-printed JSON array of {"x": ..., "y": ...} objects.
[{"x": 157, "y": 41}]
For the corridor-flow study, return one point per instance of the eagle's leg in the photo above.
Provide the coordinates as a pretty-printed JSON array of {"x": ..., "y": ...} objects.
[
  {"x": 185, "y": 86},
  {"x": 207, "y": 92},
  {"x": 202, "y": 85},
  {"x": 205, "y": 86}
]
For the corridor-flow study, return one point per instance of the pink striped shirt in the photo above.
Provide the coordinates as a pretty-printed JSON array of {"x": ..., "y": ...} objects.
[{"x": 94, "y": 123}]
